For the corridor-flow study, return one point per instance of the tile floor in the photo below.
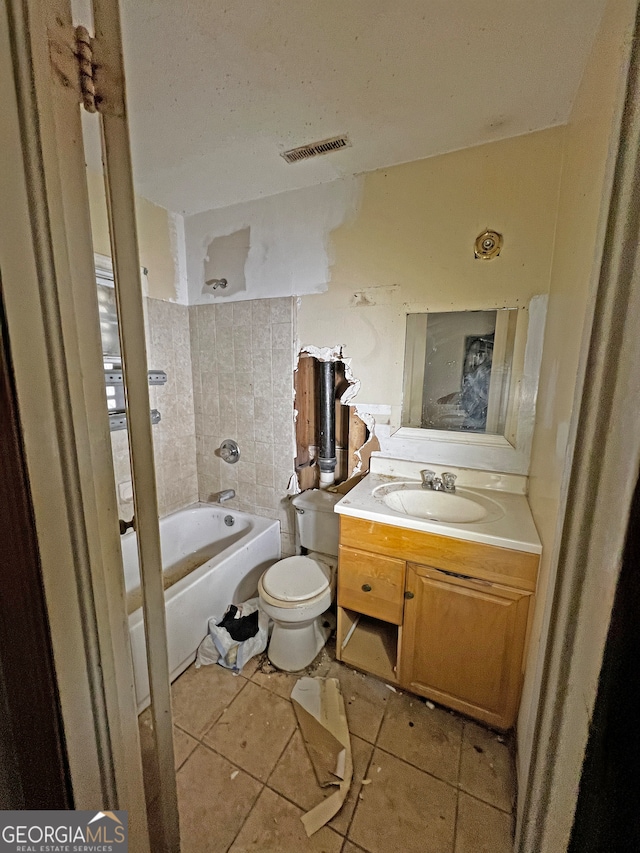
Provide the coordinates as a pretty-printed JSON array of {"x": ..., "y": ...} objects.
[{"x": 436, "y": 782}]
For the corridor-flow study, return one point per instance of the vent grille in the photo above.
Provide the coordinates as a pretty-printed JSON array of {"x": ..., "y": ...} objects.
[{"x": 325, "y": 146}]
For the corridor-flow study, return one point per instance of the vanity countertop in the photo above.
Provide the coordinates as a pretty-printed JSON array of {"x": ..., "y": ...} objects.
[{"x": 513, "y": 529}]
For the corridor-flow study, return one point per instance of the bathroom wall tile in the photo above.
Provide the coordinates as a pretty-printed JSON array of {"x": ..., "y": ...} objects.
[
  {"x": 260, "y": 311},
  {"x": 287, "y": 518},
  {"x": 262, "y": 374},
  {"x": 246, "y": 496},
  {"x": 281, "y": 361},
  {"x": 264, "y": 451},
  {"x": 224, "y": 347},
  {"x": 244, "y": 408},
  {"x": 246, "y": 473},
  {"x": 281, "y": 335},
  {"x": 265, "y": 496},
  {"x": 261, "y": 339},
  {"x": 228, "y": 421},
  {"x": 244, "y": 382},
  {"x": 283, "y": 386},
  {"x": 247, "y": 452},
  {"x": 171, "y": 329},
  {"x": 245, "y": 432},
  {"x": 282, "y": 418},
  {"x": 282, "y": 309},
  {"x": 224, "y": 314},
  {"x": 242, "y": 313},
  {"x": 264, "y": 474},
  {"x": 287, "y": 545},
  {"x": 250, "y": 354}
]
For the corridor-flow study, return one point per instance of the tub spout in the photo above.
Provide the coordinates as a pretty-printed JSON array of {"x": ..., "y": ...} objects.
[{"x": 224, "y": 495}]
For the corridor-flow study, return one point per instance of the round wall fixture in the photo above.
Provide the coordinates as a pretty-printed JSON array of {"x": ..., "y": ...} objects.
[
  {"x": 488, "y": 245},
  {"x": 229, "y": 451}
]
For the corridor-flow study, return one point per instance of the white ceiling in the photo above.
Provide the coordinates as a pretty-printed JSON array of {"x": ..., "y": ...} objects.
[{"x": 218, "y": 89}]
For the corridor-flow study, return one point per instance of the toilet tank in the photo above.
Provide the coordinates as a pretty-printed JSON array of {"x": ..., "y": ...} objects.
[{"x": 318, "y": 525}]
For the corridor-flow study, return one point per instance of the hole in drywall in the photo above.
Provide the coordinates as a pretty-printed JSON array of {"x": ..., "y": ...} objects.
[
  {"x": 225, "y": 261},
  {"x": 354, "y": 438}
]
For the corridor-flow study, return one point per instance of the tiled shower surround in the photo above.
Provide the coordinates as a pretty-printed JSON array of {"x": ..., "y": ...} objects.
[
  {"x": 242, "y": 361},
  {"x": 174, "y": 441},
  {"x": 229, "y": 375}
]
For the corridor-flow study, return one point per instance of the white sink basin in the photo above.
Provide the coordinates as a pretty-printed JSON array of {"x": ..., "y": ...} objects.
[{"x": 463, "y": 507}]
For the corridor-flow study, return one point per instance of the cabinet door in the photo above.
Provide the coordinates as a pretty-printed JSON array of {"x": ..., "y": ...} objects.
[{"x": 463, "y": 643}]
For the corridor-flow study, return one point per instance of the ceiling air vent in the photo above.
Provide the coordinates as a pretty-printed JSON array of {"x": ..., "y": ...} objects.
[{"x": 304, "y": 152}]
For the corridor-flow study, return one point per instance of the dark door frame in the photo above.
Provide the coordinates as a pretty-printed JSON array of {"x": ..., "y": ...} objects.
[{"x": 33, "y": 762}]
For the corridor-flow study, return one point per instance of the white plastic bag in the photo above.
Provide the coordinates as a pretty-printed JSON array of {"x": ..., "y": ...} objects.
[{"x": 219, "y": 647}]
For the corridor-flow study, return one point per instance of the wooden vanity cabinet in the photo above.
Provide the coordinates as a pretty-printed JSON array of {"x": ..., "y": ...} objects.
[
  {"x": 463, "y": 642},
  {"x": 444, "y": 618}
]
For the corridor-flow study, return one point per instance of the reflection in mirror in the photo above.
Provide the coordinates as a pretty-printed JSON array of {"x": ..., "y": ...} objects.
[{"x": 458, "y": 367}]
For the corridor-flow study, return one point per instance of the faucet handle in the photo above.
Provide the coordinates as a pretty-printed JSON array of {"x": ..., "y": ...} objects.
[
  {"x": 427, "y": 477},
  {"x": 449, "y": 480}
]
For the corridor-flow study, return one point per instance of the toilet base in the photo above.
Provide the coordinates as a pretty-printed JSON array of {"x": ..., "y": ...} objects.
[{"x": 294, "y": 645}]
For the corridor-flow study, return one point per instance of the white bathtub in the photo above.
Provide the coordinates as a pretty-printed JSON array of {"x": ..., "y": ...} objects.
[{"x": 207, "y": 565}]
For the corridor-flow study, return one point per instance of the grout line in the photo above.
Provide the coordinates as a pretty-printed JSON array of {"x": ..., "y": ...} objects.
[
  {"x": 253, "y": 805},
  {"x": 224, "y": 710},
  {"x": 416, "y": 767},
  {"x": 486, "y": 802},
  {"x": 277, "y": 761},
  {"x": 457, "y": 812}
]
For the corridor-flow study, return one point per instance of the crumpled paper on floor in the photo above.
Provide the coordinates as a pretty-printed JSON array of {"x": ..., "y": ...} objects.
[{"x": 322, "y": 718}]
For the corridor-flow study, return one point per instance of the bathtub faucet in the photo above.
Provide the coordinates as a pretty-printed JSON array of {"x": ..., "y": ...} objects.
[
  {"x": 125, "y": 525},
  {"x": 224, "y": 495}
]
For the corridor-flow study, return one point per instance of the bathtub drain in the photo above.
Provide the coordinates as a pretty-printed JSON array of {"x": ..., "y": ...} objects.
[{"x": 229, "y": 520}]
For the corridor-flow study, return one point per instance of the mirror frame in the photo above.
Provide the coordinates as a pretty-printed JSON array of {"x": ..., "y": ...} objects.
[{"x": 481, "y": 450}]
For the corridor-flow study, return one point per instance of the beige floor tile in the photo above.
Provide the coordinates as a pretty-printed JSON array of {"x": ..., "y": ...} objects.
[
  {"x": 295, "y": 779},
  {"x": 365, "y": 699},
  {"x": 403, "y": 809},
  {"x": 348, "y": 847},
  {"x": 486, "y": 769},
  {"x": 199, "y": 696},
  {"x": 183, "y": 746},
  {"x": 254, "y": 731},
  {"x": 481, "y": 828},
  {"x": 278, "y": 682},
  {"x": 430, "y": 739},
  {"x": 251, "y": 666},
  {"x": 213, "y": 806},
  {"x": 274, "y": 826}
]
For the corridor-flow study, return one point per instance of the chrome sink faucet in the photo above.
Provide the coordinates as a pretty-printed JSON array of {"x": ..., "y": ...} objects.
[{"x": 446, "y": 483}]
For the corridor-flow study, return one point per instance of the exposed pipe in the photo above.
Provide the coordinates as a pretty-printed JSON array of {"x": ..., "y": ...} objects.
[{"x": 327, "y": 423}]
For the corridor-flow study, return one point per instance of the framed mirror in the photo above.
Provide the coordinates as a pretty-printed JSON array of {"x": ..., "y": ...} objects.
[
  {"x": 470, "y": 386},
  {"x": 458, "y": 370}
]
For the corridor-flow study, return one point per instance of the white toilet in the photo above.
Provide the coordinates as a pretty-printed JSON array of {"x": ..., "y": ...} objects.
[{"x": 296, "y": 591}]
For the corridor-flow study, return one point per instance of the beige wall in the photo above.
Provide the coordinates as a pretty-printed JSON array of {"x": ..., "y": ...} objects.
[
  {"x": 410, "y": 248},
  {"x": 155, "y": 237},
  {"x": 581, "y": 215}
]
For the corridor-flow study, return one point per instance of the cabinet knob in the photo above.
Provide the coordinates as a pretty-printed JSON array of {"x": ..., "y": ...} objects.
[
  {"x": 409, "y": 594},
  {"x": 366, "y": 587}
]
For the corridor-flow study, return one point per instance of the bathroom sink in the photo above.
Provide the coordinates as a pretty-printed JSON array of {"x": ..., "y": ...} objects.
[{"x": 463, "y": 507}]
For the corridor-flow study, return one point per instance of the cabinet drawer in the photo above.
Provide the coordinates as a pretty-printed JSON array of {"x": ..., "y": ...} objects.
[{"x": 371, "y": 584}]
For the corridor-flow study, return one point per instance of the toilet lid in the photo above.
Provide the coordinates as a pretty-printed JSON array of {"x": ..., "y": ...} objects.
[{"x": 295, "y": 579}]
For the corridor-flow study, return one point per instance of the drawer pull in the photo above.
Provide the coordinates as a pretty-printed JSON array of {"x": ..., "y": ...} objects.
[
  {"x": 409, "y": 594},
  {"x": 366, "y": 587}
]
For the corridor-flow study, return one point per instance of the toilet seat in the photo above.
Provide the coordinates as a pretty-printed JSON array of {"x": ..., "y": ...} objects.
[{"x": 295, "y": 580}]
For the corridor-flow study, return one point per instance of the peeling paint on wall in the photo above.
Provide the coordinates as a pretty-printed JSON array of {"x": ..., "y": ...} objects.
[{"x": 290, "y": 251}]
